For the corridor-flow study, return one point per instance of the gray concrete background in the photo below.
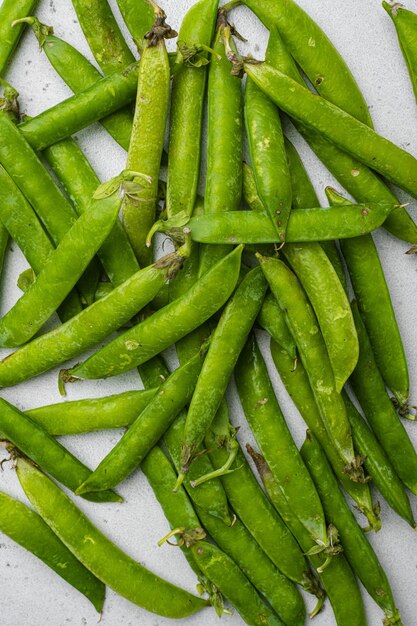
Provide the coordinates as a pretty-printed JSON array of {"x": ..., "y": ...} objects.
[{"x": 32, "y": 595}]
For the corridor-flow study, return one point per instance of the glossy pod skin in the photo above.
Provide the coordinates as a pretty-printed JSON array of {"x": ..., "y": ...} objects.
[
  {"x": 86, "y": 329},
  {"x": 84, "y": 416},
  {"x": 405, "y": 23},
  {"x": 337, "y": 578},
  {"x": 232, "y": 330},
  {"x": 356, "y": 546},
  {"x": 138, "y": 20},
  {"x": 186, "y": 116},
  {"x": 312, "y": 350},
  {"x": 370, "y": 390},
  {"x": 45, "y": 451},
  {"x": 104, "y": 97},
  {"x": 147, "y": 429},
  {"x": 375, "y": 305},
  {"x": 272, "y": 319},
  {"x": 102, "y": 557},
  {"x": 340, "y": 128},
  {"x": 315, "y": 224},
  {"x": 166, "y": 326},
  {"x": 226, "y": 575},
  {"x": 298, "y": 386},
  {"x": 28, "y": 529},
  {"x": 270, "y": 430},
  {"x": 10, "y": 11},
  {"x": 75, "y": 251}
]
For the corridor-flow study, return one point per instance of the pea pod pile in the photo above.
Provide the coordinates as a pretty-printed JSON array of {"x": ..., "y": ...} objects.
[{"x": 264, "y": 290}]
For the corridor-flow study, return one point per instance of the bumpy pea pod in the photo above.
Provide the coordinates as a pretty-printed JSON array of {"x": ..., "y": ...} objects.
[
  {"x": 296, "y": 382},
  {"x": 375, "y": 305},
  {"x": 187, "y": 102},
  {"x": 55, "y": 280},
  {"x": 102, "y": 557},
  {"x": 78, "y": 73},
  {"x": 138, "y": 17},
  {"x": 370, "y": 390},
  {"x": 268, "y": 425},
  {"x": 337, "y": 126},
  {"x": 28, "y": 529},
  {"x": 356, "y": 546},
  {"x": 45, "y": 451},
  {"x": 80, "y": 182},
  {"x": 147, "y": 429},
  {"x": 87, "y": 328},
  {"x": 166, "y": 326},
  {"x": 84, "y": 416},
  {"x": 336, "y": 577},
  {"x": 148, "y": 134},
  {"x": 107, "y": 95},
  {"x": 311, "y": 347},
  {"x": 26, "y": 230},
  {"x": 231, "y": 331},
  {"x": 10, "y": 11}
]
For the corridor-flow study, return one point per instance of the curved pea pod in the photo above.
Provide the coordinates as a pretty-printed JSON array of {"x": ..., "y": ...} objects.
[
  {"x": 337, "y": 126},
  {"x": 311, "y": 347},
  {"x": 268, "y": 425},
  {"x": 104, "y": 97},
  {"x": 96, "y": 552},
  {"x": 28, "y": 529},
  {"x": 272, "y": 319},
  {"x": 10, "y": 11},
  {"x": 357, "y": 548},
  {"x": 296, "y": 382},
  {"x": 87, "y": 328},
  {"x": 55, "y": 280},
  {"x": 231, "y": 581},
  {"x": 84, "y": 416},
  {"x": 166, "y": 326},
  {"x": 375, "y": 305},
  {"x": 315, "y": 224},
  {"x": 370, "y": 390},
  {"x": 377, "y": 464},
  {"x": 336, "y": 576},
  {"x": 147, "y": 429},
  {"x": 232, "y": 331},
  {"x": 405, "y": 23},
  {"x": 45, "y": 451},
  {"x": 187, "y": 103},
  {"x": 138, "y": 19}
]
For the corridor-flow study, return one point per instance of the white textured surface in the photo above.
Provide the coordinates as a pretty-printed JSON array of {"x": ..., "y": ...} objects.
[{"x": 31, "y": 594}]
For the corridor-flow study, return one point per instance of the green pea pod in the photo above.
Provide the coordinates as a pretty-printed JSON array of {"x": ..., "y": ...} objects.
[
  {"x": 87, "y": 328},
  {"x": 268, "y": 156},
  {"x": 335, "y": 574},
  {"x": 45, "y": 451},
  {"x": 303, "y": 325},
  {"x": 240, "y": 546},
  {"x": 96, "y": 552},
  {"x": 272, "y": 319},
  {"x": 375, "y": 305},
  {"x": 315, "y": 224},
  {"x": 232, "y": 331},
  {"x": 55, "y": 281},
  {"x": 80, "y": 182},
  {"x": 268, "y": 425},
  {"x": 10, "y": 11},
  {"x": 337, "y": 126},
  {"x": 405, "y": 23},
  {"x": 166, "y": 326},
  {"x": 138, "y": 17},
  {"x": 187, "y": 102},
  {"x": 147, "y": 429},
  {"x": 250, "y": 192},
  {"x": 107, "y": 95},
  {"x": 378, "y": 465},
  {"x": 357, "y": 548},
  {"x": 370, "y": 390},
  {"x": 296, "y": 382},
  {"x": 26, "y": 230},
  {"x": 148, "y": 134},
  {"x": 79, "y": 74},
  {"x": 28, "y": 529},
  {"x": 229, "y": 578},
  {"x": 84, "y": 416}
]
